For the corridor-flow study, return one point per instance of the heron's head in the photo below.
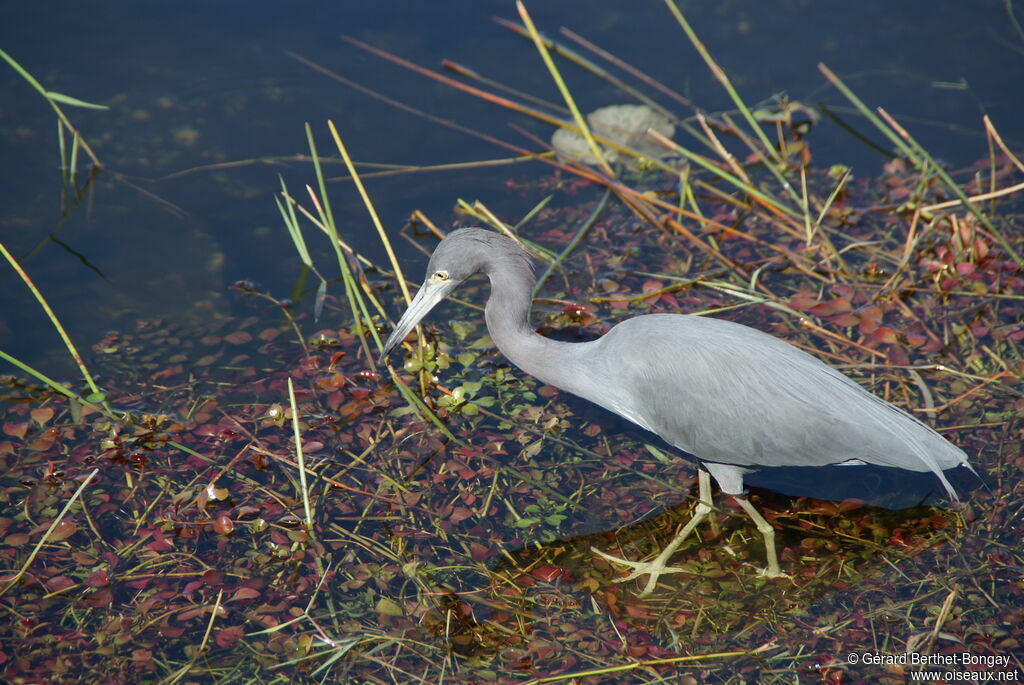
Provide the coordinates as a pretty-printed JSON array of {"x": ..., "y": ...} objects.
[{"x": 460, "y": 255}]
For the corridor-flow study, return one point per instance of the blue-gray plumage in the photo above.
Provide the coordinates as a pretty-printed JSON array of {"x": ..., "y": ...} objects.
[{"x": 732, "y": 396}]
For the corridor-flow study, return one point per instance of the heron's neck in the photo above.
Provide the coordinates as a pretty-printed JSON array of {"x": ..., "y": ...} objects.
[{"x": 508, "y": 321}]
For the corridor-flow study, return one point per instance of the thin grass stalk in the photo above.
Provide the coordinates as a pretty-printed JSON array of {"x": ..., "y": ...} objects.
[
  {"x": 805, "y": 205},
  {"x": 683, "y": 213},
  {"x": 495, "y": 221},
  {"x": 367, "y": 293},
  {"x": 623, "y": 668},
  {"x": 975, "y": 198},
  {"x": 591, "y": 220},
  {"x": 355, "y": 300},
  {"x": 423, "y": 219},
  {"x": 187, "y": 667},
  {"x": 838, "y": 254},
  {"x": 832, "y": 196},
  {"x": 565, "y": 167},
  {"x": 55, "y": 385},
  {"x": 315, "y": 220},
  {"x": 773, "y": 169},
  {"x": 72, "y": 350},
  {"x": 484, "y": 215},
  {"x": 73, "y": 164},
  {"x": 724, "y": 175},
  {"x": 626, "y": 67},
  {"x": 46, "y": 535},
  {"x": 287, "y": 210},
  {"x": 955, "y": 187},
  {"x": 237, "y": 164},
  {"x": 581, "y": 172},
  {"x": 399, "y": 170},
  {"x": 371, "y": 211},
  {"x": 738, "y": 170},
  {"x": 533, "y": 212},
  {"x": 360, "y": 315},
  {"x": 578, "y": 168},
  {"x": 62, "y": 152},
  {"x": 52, "y": 99},
  {"x": 991, "y": 131},
  {"x": 727, "y": 157},
  {"x": 424, "y": 410},
  {"x": 708, "y": 250},
  {"x": 563, "y": 89},
  {"x": 458, "y": 85},
  {"x": 1008, "y": 5},
  {"x": 680, "y": 284},
  {"x": 300, "y": 459},
  {"x": 480, "y": 209},
  {"x": 466, "y": 72},
  {"x": 323, "y": 572},
  {"x": 904, "y": 149},
  {"x": 291, "y": 222},
  {"x": 584, "y": 63},
  {"x": 992, "y": 172},
  {"x": 722, "y": 78},
  {"x": 908, "y": 245},
  {"x": 338, "y": 651},
  {"x": 686, "y": 195},
  {"x": 213, "y": 617}
]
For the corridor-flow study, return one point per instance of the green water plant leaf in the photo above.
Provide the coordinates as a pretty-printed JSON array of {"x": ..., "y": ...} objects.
[{"x": 74, "y": 102}]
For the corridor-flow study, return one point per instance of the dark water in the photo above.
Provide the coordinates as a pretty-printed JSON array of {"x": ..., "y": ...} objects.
[{"x": 197, "y": 83}]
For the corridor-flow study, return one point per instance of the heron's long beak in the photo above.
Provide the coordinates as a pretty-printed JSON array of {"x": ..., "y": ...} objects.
[{"x": 429, "y": 295}]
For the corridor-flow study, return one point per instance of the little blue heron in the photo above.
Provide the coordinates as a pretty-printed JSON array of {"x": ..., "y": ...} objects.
[{"x": 732, "y": 396}]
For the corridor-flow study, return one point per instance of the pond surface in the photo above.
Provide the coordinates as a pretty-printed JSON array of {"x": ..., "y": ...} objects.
[
  {"x": 466, "y": 557},
  {"x": 194, "y": 84}
]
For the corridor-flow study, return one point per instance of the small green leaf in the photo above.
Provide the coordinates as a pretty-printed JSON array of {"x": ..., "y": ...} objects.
[
  {"x": 74, "y": 102},
  {"x": 462, "y": 329},
  {"x": 389, "y": 607},
  {"x": 402, "y": 411},
  {"x": 658, "y": 454}
]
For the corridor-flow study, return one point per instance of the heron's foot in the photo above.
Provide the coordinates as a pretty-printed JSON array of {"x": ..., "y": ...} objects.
[
  {"x": 653, "y": 568},
  {"x": 772, "y": 573}
]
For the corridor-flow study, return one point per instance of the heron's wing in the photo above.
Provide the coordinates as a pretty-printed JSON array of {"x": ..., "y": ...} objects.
[{"x": 731, "y": 394}]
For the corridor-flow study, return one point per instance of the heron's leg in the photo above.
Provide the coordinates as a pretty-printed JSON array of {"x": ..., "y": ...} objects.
[
  {"x": 767, "y": 532},
  {"x": 657, "y": 566}
]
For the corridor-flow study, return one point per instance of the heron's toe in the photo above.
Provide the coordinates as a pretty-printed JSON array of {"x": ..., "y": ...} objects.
[
  {"x": 609, "y": 557},
  {"x": 642, "y": 568},
  {"x": 639, "y": 568},
  {"x": 769, "y": 573}
]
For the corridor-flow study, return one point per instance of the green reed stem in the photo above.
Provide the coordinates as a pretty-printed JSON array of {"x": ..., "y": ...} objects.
[{"x": 97, "y": 395}]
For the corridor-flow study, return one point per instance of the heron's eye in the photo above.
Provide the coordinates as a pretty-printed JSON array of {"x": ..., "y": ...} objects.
[{"x": 441, "y": 275}]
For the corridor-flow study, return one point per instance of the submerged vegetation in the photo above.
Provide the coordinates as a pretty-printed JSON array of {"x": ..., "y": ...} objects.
[{"x": 258, "y": 501}]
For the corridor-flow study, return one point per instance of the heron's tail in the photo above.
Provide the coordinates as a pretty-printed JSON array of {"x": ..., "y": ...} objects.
[{"x": 936, "y": 467}]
